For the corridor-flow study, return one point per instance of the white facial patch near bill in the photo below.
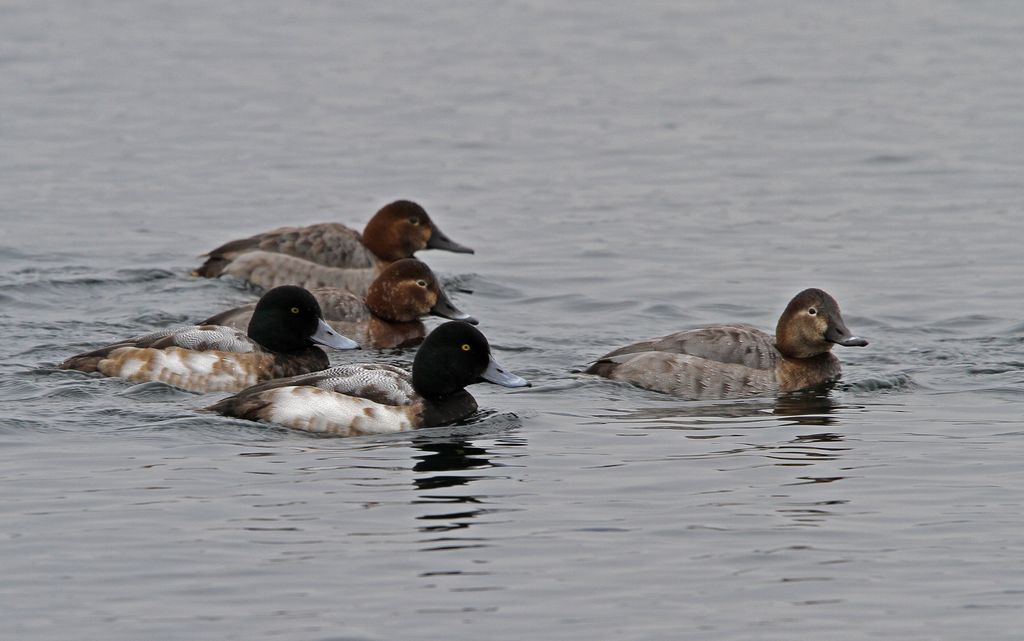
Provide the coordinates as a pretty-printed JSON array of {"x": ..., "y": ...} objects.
[{"x": 312, "y": 409}]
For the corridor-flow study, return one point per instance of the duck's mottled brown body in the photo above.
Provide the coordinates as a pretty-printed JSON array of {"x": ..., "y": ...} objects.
[
  {"x": 199, "y": 371},
  {"x": 279, "y": 342}
]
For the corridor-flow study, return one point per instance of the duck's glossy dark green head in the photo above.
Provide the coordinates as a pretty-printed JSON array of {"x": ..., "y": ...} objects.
[
  {"x": 288, "y": 319},
  {"x": 455, "y": 355}
]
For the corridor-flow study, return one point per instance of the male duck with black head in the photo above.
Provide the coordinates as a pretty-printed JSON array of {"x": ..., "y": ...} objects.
[
  {"x": 388, "y": 316},
  {"x": 351, "y": 400},
  {"x": 330, "y": 254},
  {"x": 281, "y": 340},
  {"x": 732, "y": 361}
]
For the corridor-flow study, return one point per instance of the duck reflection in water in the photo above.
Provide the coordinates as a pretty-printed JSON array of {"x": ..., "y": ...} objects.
[
  {"x": 813, "y": 406},
  {"x": 448, "y": 456},
  {"x": 438, "y": 460}
]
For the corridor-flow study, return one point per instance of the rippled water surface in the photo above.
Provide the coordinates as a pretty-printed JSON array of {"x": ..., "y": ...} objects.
[{"x": 623, "y": 171}]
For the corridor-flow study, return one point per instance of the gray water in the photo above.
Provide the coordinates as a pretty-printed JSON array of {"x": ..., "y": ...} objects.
[{"x": 623, "y": 170}]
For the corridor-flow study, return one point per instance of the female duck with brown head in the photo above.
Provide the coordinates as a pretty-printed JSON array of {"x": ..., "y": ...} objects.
[
  {"x": 330, "y": 254},
  {"x": 730, "y": 361},
  {"x": 388, "y": 316}
]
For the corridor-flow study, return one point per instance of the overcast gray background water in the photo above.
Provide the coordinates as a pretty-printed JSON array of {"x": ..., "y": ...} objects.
[{"x": 623, "y": 171}]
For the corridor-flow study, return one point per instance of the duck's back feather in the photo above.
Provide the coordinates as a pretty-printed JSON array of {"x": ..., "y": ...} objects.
[
  {"x": 270, "y": 269},
  {"x": 331, "y": 244},
  {"x": 340, "y": 304},
  {"x": 200, "y": 337},
  {"x": 236, "y": 318},
  {"x": 190, "y": 337},
  {"x": 736, "y": 344},
  {"x": 377, "y": 382}
]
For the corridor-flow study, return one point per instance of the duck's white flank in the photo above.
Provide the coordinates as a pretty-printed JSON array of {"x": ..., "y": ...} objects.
[
  {"x": 313, "y": 409},
  {"x": 184, "y": 368}
]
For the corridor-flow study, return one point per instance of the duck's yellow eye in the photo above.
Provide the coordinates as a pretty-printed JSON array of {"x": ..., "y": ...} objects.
[
  {"x": 466, "y": 347},
  {"x": 295, "y": 310}
]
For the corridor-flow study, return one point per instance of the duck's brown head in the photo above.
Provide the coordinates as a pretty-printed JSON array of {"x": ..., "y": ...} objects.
[
  {"x": 406, "y": 290},
  {"x": 811, "y": 325},
  {"x": 403, "y": 228}
]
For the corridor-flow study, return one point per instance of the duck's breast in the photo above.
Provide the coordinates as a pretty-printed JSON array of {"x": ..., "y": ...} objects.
[
  {"x": 801, "y": 373},
  {"x": 385, "y": 335}
]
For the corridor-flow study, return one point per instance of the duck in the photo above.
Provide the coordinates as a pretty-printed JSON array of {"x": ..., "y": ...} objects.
[
  {"x": 733, "y": 361},
  {"x": 387, "y": 317},
  {"x": 281, "y": 340},
  {"x": 373, "y": 398},
  {"x": 329, "y": 254}
]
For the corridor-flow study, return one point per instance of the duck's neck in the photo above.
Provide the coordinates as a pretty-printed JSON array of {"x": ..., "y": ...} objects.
[
  {"x": 385, "y": 334},
  {"x": 449, "y": 409},
  {"x": 310, "y": 359},
  {"x": 800, "y": 373},
  {"x": 383, "y": 244}
]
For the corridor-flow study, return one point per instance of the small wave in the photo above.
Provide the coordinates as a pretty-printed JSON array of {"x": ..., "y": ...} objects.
[
  {"x": 16, "y": 425},
  {"x": 154, "y": 391},
  {"x": 667, "y": 310},
  {"x": 71, "y": 393},
  {"x": 457, "y": 283},
  {"x": 484, "y": 423},
  {"x": 481, "y": 286},
  {"x": 963, "y": 321},
  {"x": 889, "y": 159},
  {"x": 202, "y": 427},
  {"x": 892, "y": 382},
  {"x": 18, "y": 386},
  {"x": 556, "y": 386},
  {"x": 161, "y": 319},
  {"x": 767, "y": 80},
  {"x": 34, "y": 280}
]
